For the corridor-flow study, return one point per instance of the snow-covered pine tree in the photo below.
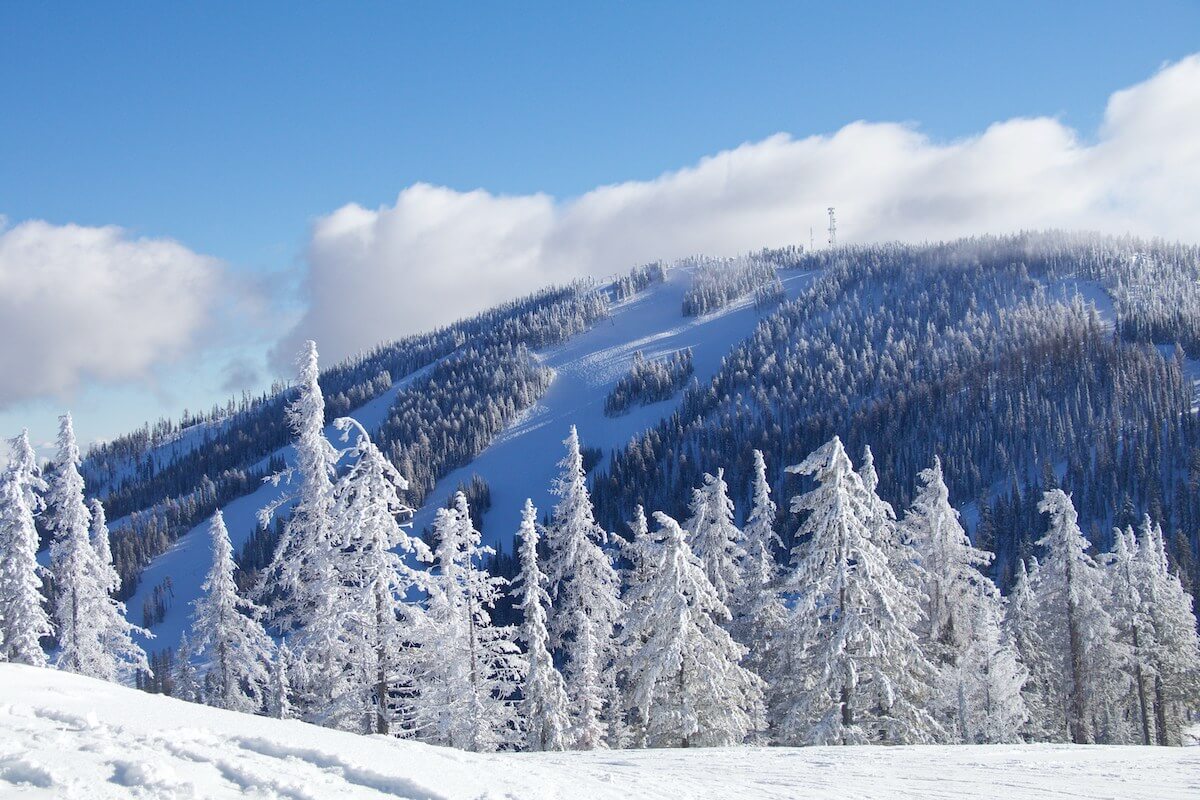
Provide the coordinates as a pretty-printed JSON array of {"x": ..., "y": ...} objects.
[
  {"x": 226, "y": 637},
  {"x": 358, "y": 646},
  {"x": 684, "y": 671},
  {"x": 990, "y": 676},
  {"x": 187, "y": 683},
  {"x": 886, "y": 530},
  {"x": 544, "y": 697},
  {"x": 102, "y": 544},
  {"x": 1131, "y": 618},
  {"x": 291, "y": 585},
  {"x": 759, "y": 615},
  {"x": 715, "y": 539},
  {"x": 23, "y": 617},
  {"x": 1022, "y": 623},
  {"x": 588, "y": 731},
  {"x": 583, "y": 581},
  {"x": 94, "y": 637},
  {"x": 856, "y": 671},
  {"x": 643, "y": 553},
  {"x": 956, "y": 597},
  {"x": 470, "y": 668},
  {"x": 1085, "y": 656},
  {"x": 278, "y": 700},
  {"x": 1176, "y": 648},
  {"x": 117, "y": 636}
]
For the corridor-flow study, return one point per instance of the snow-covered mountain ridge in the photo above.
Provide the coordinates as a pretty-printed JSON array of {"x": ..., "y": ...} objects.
[{"x": 63, "y": 735}]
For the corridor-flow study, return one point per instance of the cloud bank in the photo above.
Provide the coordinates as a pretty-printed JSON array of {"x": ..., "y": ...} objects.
[
  {"x": 82, "y": 303},
  {"x": 438, "y": 254}
]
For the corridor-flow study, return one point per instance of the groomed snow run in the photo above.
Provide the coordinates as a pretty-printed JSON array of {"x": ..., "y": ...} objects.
[{"x": 66, "y": 736}]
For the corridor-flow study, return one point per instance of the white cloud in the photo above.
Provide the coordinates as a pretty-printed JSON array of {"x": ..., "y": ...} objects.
[
  {"x": 81, "y": 304},
  {"x": 438, "y": 254}
]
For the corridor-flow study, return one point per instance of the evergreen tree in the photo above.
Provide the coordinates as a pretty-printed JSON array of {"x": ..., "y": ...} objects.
[
  {"x": 717, "y": 542},
  {"x": 957, "y": 597},
  {"x": 278, "y": 700},
  {"x": 1075, "y": 625},
  {"x": 102, "y": 544},
  {"x": 227, "y": 637},
  {"x": 856, "y": 672},
  {"x": 1176, "y": 649},
  {"x": 584, "y": 584},
  {"x": 23, "y": 618},
  {"x": 471, "y": 668},
  {"x": 1022, "y": 623},
  {"x": 94, "y": 638},
  {"x": 187, "y": 684},
  {"x": 358, "y": 647},
  {"x": 291, "y": 584},
  {"x": 759, "y": 615},
  {"x": 544, "y": 699},
  {"x": 1131, "y": 619},
  {"x": 684, "y": 672}
]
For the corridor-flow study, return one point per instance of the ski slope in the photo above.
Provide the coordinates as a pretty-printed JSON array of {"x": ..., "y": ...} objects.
[
  {"x": 62, "y": 735},
  {"x": 522, "y": 461}
]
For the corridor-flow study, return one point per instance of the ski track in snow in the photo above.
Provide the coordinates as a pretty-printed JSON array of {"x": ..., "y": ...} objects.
[{"x": 62, "y": 735}]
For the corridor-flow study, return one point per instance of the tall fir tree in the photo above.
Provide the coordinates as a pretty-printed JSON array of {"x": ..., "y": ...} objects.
[
  {"x": 716, "y": 540},
  {"x": 684, "y": 670},
  {"x": 279, "y": 689},
  {"x": 1176, "y": 649},
  {"x": 358, "y": 648},
  {"x": 471, "y": 668},
  {"x": 958, "y": 598},
  {"x": 94, "y": 637},
  {"x": 544, "y": 696},
  {"x": 1086, "y": 657},
  {"x": 291, "y": 584},
  {"x": 23, "y": 617},
  {"x": 226, "y": 637},
  {"x": 856, "y": 671},
  {"x": 1022, "y": 625},
  {"x": 759, "y": 614},
  {"x": 584, "y": 584}
]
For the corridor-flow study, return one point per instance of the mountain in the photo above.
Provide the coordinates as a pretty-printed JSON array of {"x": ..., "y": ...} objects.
[
  {"x": 66, "y": 735},
  {"x": 1026, "y": 362}
]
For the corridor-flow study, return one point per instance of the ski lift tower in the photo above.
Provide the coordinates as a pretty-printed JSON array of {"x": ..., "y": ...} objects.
[{"x": 832, "y": 229}]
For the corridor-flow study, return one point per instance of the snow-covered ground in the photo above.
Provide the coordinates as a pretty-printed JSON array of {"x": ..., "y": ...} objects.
[{"x": 66, "y": 736}]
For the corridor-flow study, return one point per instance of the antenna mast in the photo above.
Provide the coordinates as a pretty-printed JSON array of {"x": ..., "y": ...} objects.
[{"x": 832, "y": 229}]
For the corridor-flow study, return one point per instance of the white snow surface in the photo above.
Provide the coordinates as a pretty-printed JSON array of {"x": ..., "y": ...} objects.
[{"x": 65, "y": 736}]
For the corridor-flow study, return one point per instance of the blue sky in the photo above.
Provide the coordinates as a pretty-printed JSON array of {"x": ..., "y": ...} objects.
[{"x": 233, "y": 128}]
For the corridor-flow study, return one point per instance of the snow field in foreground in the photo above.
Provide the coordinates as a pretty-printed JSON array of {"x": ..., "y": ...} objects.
[{"x": 62, "y": 735}]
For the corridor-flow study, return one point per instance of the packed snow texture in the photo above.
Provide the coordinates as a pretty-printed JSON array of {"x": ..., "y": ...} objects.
[{"x": 63, "y": 735}]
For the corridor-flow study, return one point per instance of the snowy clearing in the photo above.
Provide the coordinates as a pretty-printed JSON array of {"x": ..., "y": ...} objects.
[{"x": 63, "y": 735}]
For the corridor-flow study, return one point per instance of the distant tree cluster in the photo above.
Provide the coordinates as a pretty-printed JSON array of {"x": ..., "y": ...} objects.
[
  {"x": 718, "y": 282},
  {"x": 649, "y": 381},
  {"x": 639, "y": 279}
]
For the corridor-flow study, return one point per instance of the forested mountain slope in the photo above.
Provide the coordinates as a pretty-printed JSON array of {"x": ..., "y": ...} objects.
[{"x": 1025, "y": 362}]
